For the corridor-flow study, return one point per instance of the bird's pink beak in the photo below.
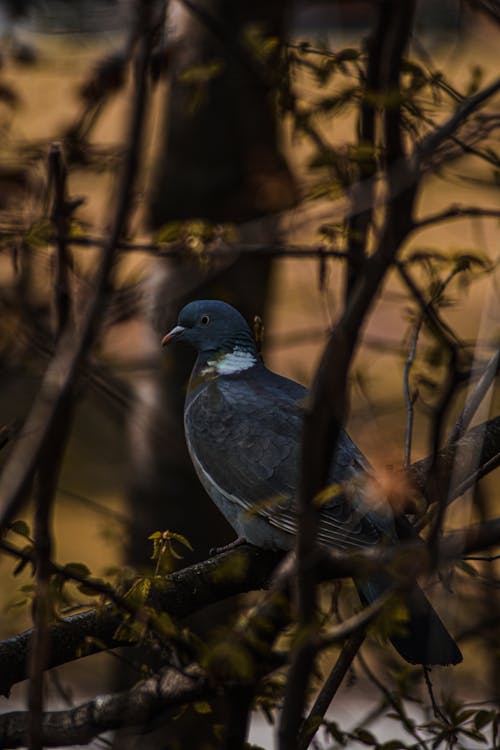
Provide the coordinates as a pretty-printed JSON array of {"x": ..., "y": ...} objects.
[{"x": 172, "y": 335}]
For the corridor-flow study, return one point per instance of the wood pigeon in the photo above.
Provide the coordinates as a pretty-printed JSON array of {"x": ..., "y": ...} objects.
[{"x": 243, "y": 431}]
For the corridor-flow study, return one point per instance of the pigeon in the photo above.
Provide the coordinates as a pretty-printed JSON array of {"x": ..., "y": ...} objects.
[{"x": 243, "y": 427}]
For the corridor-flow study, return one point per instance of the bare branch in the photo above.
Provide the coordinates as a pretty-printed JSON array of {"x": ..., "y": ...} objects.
[
  {"x": 324, "y": 416},
  {"x": 78, "y": 726},
  {"x": 60, "y": 217},
  {"x": 475, "y": 399},
  {"x": 409, "y": 398},
  {"x": 397, "y": 706},
  {"x": 179, "y": 594},
  {"x": 48, "y": 470},
  {"x": 456, "y": 212},
  {"x": 490, "y": 8},
  {"x": 354, "y": 624},
  {"x": 63, "y": 369},
  {"x": 204, "y": 583},
  {"x": 363, "y": 189},
  {"x": 45, "y": 486},
  {"x": 439, "y": 326},
  {"x": 330, "y": 687},
  {"x": 170, "y": 688},
  {"x": 480, "y": 454},
  {"x": 430, "y": 142}
]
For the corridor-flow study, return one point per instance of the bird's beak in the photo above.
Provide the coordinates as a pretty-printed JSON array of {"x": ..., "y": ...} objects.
[{"x": 173, "y": 334}]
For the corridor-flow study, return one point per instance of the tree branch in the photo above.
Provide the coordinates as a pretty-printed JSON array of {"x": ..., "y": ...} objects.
[
  {"x": 179, "y": 594},
  {"x": 214, "y": 580},
  {"x": 78, "y": 726},
  {"x": 324, "y": 416},
  {"x": 481, "y": 389},
  {"x": 170, "y": 688},
  {"x": 433, "y": 140},
  {"x": 61, "y": 210},
  {"x": 483, "y": 439},
  {"x": 63, "y": 370},
  {"x": 456, "y": 212},
  {"x": 330, "y": 687}
]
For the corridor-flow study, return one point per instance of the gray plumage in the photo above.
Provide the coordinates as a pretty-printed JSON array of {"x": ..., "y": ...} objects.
[{"x": 243, "y": 430}]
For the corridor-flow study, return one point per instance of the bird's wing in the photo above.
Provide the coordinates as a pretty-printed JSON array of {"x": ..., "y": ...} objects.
[{"x": 245, "y": 434}]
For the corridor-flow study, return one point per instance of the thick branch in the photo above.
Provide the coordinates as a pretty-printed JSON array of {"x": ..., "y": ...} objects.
[
  {"x": 214, "y": 580},
  {"x": 169, "y": 689},
  {"x": 78, "y": 726},
  {"x": 179, "y": 594}
]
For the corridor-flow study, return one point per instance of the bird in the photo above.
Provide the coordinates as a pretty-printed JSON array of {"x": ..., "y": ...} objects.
[{"x": 242, "y": 425}]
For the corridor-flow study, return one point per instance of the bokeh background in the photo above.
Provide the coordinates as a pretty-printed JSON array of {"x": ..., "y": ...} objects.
[{"x": 47, "y": 51}]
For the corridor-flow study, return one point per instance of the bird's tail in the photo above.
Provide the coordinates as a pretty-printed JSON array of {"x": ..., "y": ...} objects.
[{"x": 426, "y": 640}]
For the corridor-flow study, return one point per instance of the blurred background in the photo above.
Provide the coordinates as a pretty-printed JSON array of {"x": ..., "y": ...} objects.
[{"x": 218, "y": 159}]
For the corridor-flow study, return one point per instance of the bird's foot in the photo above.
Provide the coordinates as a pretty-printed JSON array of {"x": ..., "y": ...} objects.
[{"x": 232, "y": 545}]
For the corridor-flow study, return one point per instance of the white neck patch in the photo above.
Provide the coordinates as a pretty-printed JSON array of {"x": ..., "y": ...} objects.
[{"x": 230, "y": 362}]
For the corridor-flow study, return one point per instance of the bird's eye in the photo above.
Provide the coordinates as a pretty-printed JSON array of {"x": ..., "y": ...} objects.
[{"x": 204, "y": 320}]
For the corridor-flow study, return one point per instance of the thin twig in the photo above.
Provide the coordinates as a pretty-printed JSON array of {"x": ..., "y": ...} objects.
[
  {"x": 63, "y": 369},
  {"x": 324, "y": 416},
  {"x": 409, "y": 398},
  {"x": 45, "y": 485},
  {"x": 60, "y": 217},
  {"x": 457, "y": 490},
  {"x": 330, "y": 688},
  {"x": 359, "y": 222},
  {"x": 456, "y": 212},
  {"x": 396, "y": 705},
  {"x": 433, "y": 140},
  {"x": 437, "y": 429},
  {"x": 435, "y": 707},
  {"x": 48, "y": 471},
  {"x": 439, "y": 326},
  {"x": 475, "y": 399},
  {"x": 191, "y": 589}
]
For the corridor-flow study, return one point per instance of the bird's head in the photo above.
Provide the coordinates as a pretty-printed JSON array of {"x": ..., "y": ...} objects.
[{"x": 213, "y": 327}]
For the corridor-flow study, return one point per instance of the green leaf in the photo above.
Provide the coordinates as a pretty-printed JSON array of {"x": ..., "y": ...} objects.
[
  {"x": 164, "y": 625},
  {"x": 347, "y": 54},
  {"x": 27, "y": 549},
  {"x": 181, "y": 539},
  {"x": 87, "y": 590},
  {"x": 138, "y": 592},
  {"x": 477, "y": 736},
  {"x": 202, "y": 73},
  {"x": 467, "y": 568},
  {"x": 39, "y": 233},
  {"x": 202, "y": 707},
  {"x": 169, "y": 233},
  {"x": 334, "y": 731},
  {"x": 338, "y": 102},
  {"x": 230, "y": 661},
  {"x": 482, "y": 718},
  {"x": 77, "y": 569},
  {"x": 364, "y": 736},
  {"x": 21, "y": 528},
  {"x": 18, "y": 601}
]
